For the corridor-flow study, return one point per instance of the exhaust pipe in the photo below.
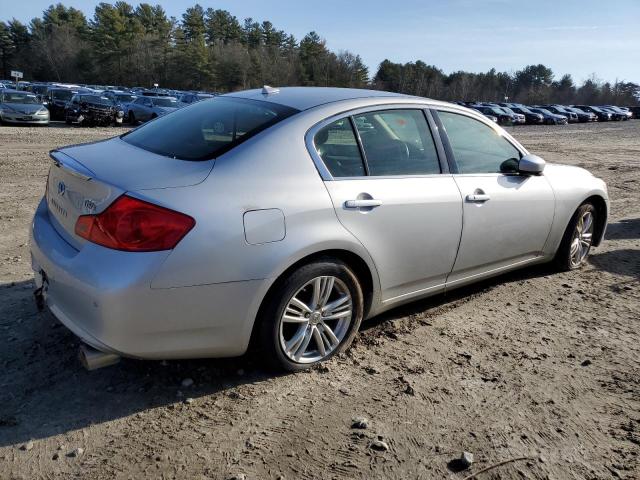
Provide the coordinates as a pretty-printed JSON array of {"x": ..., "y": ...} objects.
[{"x": 93, "y": 359}]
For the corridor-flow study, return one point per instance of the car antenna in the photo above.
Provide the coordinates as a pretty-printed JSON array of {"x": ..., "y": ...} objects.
[{"x": 267, "y": 90}]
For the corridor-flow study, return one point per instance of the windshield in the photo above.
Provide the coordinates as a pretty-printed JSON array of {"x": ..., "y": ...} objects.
[
  {"x": 95, "y": 99},
  {"x": 542, "y": 110},
  {"x": 523, "y": 110},
  {"x": 165, "y": 102},
  {"x": 63, "y": 94},
  {"x": 207, "y": 129},
  {"x": 575, "y": 110},
  {"x": 20, "y": 98}
]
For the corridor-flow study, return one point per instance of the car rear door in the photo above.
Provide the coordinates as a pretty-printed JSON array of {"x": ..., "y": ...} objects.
[
  {"x": 391, "y": 188},
  {"x": 507, "y": 217}
]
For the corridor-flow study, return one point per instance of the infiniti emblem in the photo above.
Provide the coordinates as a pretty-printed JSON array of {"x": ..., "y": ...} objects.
[{"x": 61, "y": 188}]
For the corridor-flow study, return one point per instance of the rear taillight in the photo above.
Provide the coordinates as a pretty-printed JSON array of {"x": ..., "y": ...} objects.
[{"x": 135, "y": 226}]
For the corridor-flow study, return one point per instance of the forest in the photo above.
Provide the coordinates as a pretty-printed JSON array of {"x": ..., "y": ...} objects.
[{"x": 212, "y": 50}]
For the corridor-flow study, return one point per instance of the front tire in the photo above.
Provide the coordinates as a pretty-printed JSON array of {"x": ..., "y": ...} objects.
[
  {"x": 577, "y": 239},
  {"x": 312, "y": 315}
]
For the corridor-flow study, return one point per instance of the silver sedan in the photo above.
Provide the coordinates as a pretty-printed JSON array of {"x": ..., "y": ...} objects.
[
  {"x": 280, "y": 219},
  {"x": 24, "y": 108}
]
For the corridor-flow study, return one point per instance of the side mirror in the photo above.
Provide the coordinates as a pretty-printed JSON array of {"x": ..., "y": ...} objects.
[{"x": 531, "y": 165}]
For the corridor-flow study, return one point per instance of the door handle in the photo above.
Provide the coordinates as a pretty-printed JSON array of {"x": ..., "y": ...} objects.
[
  {"x": 364, "y": 203},
  {"x": 478, "y": 197}
]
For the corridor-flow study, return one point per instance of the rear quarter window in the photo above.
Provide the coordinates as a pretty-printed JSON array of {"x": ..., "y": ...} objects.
[{"x": 207, "y": 129}]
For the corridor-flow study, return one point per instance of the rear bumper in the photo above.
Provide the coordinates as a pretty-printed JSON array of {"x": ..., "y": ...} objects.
[{"x": 104, "y": 297}]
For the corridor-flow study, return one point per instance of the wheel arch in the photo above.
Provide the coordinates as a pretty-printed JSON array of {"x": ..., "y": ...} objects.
[
  {"x": 365, "y": 273},
  {"x": 602, "y": 211}
]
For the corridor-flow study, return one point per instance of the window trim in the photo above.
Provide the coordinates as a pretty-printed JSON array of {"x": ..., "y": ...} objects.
[
  {"x": 479, "y": 118},
  {"x": 326, "y": 175}
]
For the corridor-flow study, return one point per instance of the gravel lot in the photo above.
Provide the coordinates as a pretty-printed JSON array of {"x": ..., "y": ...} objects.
[{"x": 533, "y": 364}]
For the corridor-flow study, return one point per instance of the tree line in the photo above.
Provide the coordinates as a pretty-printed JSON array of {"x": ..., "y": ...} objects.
[{"x": 210, "y": 49}]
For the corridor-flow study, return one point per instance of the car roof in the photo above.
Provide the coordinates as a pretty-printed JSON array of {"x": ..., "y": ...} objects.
[{"x": 303, "y": 98}]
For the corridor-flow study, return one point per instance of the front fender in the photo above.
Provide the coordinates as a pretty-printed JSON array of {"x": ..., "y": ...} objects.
[{"x": 572, "y": 186}]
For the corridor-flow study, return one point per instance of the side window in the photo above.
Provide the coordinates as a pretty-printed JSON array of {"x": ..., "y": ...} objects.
[
  {"x": 478, "y": 148},
  {"x": 337, "y": 146},
  {"x": 397, "y": 142}
]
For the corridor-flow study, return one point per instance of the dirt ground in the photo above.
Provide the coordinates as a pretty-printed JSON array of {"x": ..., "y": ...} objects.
[{"x": 534, "y": 364}]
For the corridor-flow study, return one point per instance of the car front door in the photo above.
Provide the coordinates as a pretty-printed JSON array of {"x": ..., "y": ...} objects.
[
  {"x": 393, "y": 192},
  {"x": 506, "y": 216}
]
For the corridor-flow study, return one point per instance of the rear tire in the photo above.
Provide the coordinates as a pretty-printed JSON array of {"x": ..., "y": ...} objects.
[
  {"x": 311, "y": 315},
  {"x": 577, "y": 239}
]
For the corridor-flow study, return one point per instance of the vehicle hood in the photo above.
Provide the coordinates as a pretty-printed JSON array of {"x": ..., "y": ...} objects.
[
  {"x": 558, "y": 170},
  {"x": 26, "y": 108},
  {"x": 118, "y": 163}
]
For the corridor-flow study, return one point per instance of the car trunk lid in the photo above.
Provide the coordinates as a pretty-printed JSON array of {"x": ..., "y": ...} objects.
[{"x": 86, "y": 179}]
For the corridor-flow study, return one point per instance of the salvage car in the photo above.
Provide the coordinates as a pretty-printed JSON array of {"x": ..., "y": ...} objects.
[
  {"x": 147, "y": 108},
  {"x": 20, "y": 107},
  {"x": 92, "y": 110},
  {"x": 282, "y": 218}
]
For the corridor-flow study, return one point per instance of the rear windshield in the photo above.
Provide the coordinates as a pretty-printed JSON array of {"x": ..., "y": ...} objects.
[{"x": 207, "y": 129}]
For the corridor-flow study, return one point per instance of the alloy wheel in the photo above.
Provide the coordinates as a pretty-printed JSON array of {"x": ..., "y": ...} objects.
[
  {"x": 316, "y": 319},
  {"x": 581, "y": 239}
]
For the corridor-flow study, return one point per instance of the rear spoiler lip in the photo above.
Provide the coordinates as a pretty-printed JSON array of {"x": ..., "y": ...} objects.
[{"x": 73, "y": 167}]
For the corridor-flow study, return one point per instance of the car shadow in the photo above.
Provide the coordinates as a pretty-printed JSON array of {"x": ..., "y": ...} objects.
[
  {"x": 626, "y": 229},
  {"x": 420, "y": 306},
  {"x": 44, "y": 391},
  {"x": 624, "y": 262}
]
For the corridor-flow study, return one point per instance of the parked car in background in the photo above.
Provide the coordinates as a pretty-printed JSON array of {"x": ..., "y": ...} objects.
[
  {"x": 20, "y": 107},
  {"x": 531, "y": 118},
  {"x": 189, "y": 98},
  {"x": 603, "y": 116},
  {"x": 156, "y": 92},
  {"x": 583, "y": 116},
  {"x": 572, "y": 117},
  {"x": 92, "y": 110},
  {"x": 137, "y": 267},
  {"x": 618, "y": 113},
  {"x": 121, "y": 100},
  {"x": 504, "y": 118},
  {"x": 635, "y": 111},
  {"x": 56, "y": 99},
  {"x": 519, "y": 118},
  {"x": 147, "y": 108},
  {"x": 550, "y": 118}
]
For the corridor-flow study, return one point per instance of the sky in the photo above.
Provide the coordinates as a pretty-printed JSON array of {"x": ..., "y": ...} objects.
[{"x": 580, "y": 37}]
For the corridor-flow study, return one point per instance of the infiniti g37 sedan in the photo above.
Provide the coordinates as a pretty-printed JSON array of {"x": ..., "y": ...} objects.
[{"x": 281, "y": 219}]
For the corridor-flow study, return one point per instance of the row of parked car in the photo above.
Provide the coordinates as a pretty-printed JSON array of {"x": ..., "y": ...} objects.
[
  {"x": 518, "y": 114},
  {"x": 91, "y": 105},
  {"x": 38, "y": 103}
]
